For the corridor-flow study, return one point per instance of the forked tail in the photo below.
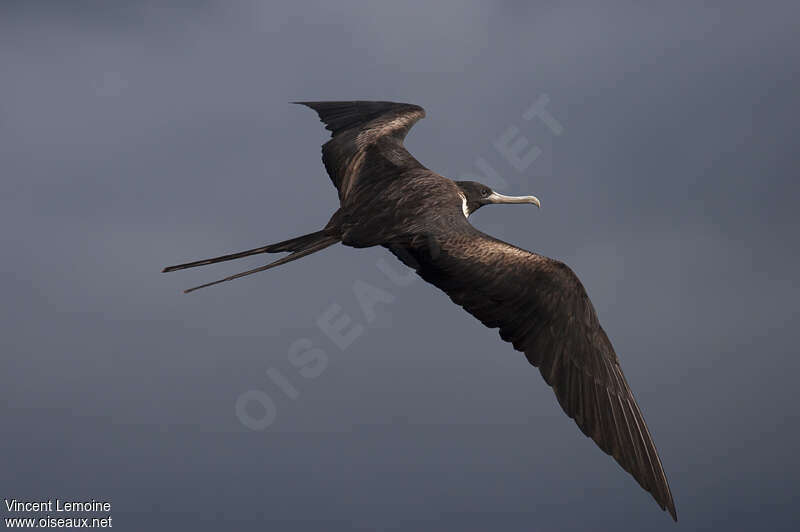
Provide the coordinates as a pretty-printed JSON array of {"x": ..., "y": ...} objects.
[{"x": 299, "y": 247}]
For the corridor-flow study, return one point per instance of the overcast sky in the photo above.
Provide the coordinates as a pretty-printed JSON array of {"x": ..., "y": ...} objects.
[{"x": 134, "y": 135}]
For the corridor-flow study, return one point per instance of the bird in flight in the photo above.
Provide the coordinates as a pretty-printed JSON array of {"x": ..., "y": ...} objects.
[{"x": 387, "y": 198}]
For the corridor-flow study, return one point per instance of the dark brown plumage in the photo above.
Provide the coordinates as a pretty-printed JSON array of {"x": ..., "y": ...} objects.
[{"x": 388, "y": 198}]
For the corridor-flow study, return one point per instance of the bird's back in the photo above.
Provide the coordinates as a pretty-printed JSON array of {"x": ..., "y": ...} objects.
[{"x": 413, "y": 202}]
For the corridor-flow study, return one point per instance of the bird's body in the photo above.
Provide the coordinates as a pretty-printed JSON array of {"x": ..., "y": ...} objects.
[{"x": 387, "y": 198}]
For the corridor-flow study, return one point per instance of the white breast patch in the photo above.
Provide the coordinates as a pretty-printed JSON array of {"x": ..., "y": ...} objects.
[{"x": 464, "y": 208}]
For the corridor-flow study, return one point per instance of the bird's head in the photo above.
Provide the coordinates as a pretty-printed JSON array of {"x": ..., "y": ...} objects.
[{"x": 475, "y": 195}]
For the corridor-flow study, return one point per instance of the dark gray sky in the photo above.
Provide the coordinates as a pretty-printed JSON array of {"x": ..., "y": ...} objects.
[{"x": 135, "y": 136}]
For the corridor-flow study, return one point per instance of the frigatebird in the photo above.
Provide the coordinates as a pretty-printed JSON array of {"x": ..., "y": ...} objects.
[{"x": 387, "y": 198}]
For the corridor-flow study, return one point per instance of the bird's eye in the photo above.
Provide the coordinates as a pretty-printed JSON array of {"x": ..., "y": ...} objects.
[{"x": 485, "y": 192}]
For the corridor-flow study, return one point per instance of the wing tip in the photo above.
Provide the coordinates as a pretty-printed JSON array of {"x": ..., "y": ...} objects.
[
  {"x": 669, "y": 506},
  {"x": 656, "y": 484},
  {"x": 347, "y": 114}
]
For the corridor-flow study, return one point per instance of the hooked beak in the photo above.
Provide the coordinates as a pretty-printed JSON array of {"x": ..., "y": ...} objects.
[{"x": 494, "y": 197}]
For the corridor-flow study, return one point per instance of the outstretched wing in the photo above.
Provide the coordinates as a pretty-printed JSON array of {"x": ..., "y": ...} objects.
[
  {"x": 542, "y": 308},
  {"x": 367, "y": 141}
]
